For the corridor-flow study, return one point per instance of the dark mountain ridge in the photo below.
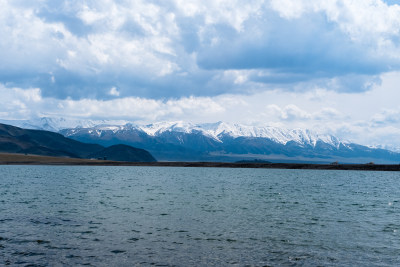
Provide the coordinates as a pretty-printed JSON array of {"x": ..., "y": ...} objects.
[
  {"x": 122, "y": 153},
  {"x": 39, "y": 142}
]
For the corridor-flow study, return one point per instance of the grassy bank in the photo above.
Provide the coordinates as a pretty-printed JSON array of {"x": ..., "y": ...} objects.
[{"x": 21, "y": 159}]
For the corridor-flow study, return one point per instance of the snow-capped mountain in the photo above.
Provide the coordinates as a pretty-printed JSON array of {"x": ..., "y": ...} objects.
[
  {"x": 224, "y": 141},
  {"x": 219, "y": 129}
]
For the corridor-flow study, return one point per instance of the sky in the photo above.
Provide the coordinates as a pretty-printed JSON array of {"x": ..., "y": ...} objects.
[{"x": 330, "y": 66}]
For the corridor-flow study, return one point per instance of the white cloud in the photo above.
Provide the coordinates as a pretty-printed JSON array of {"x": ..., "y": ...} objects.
[
  {"x": 387, "y": 117},
  {"x": 48, "y": 45},
  {"x": 327, "y": 114},
  {"x": 114, "y": 92},
  {"x": 28, "y": 103},
  {"x": 17, "y": 103},
  {"x": 366, "y": 21},
  {"x": 292, "y": 112},
  {"x": 232, "y": 12}
]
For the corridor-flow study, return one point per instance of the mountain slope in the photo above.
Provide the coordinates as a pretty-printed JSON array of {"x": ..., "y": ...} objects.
[
  {"x": 17, "y": 140},
  {"x": 38, "y": 142},
  {"x": 124, "y": 153}
]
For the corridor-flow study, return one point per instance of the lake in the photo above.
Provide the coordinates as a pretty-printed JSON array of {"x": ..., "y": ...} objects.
[{"x": 169, "y": 216}]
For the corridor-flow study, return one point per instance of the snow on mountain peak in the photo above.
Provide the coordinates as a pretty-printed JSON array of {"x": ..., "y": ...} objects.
[
  {"x": 160, "y": 127},
  {"x": 219, "y": 129}
]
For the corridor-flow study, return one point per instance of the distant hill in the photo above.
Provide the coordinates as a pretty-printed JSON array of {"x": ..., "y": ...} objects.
[
  {"x": 38, "y": 142},
  {"x": 123, "y": 153}
]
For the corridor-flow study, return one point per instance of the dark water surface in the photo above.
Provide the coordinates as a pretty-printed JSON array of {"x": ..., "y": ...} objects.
[{"x": 127, "y": 216}]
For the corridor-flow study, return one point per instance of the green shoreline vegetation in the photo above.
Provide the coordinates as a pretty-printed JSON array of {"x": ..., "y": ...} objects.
[{"x": 22, "y": 159}]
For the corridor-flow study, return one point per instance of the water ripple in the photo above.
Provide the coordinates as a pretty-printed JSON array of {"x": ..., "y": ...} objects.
[{"x": 127, "y": 216}]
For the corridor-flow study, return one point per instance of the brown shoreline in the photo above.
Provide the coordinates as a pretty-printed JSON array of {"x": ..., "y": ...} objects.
[{"x": 21, "y": 159}]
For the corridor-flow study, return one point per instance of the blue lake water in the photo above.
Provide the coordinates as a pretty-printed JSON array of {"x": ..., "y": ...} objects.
[{"x": 127, "y": 216}]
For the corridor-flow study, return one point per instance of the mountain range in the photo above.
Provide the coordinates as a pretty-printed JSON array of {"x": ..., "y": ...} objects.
[{"x": 180, "y": 141}]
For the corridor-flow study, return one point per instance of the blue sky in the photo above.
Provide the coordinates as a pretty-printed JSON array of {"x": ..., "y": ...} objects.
[{"x": 331, "y": 66}]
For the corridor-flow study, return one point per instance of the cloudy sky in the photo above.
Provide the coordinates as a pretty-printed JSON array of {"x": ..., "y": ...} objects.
[{"x": 331, "y": 66}]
